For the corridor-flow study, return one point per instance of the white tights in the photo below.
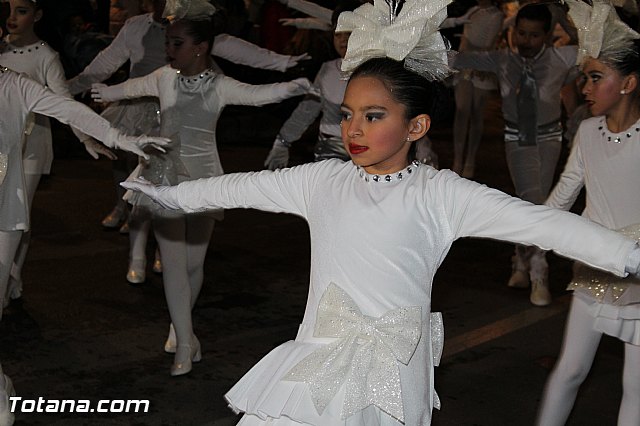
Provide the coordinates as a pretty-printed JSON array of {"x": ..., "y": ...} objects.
[
  {"x": 9, "y": 241},
  {"x": 469, "y": 122},
  {"x": 15, "y": 283},
  {"x": 578, "y": 351},
  {"x": 183, "y": 242}
]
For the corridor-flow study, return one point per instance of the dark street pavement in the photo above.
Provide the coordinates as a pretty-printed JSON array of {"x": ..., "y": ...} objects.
[{"x": 81, "y": 332}]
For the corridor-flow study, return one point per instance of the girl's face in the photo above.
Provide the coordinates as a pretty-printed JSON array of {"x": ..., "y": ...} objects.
[
  {"x": 602, "y": 86},
  {"x": 182, "y": 53},
  {"x": 340, "y": 42},
  {"x": 23, "y": 15},
  {"x": 375, "y": 131}
]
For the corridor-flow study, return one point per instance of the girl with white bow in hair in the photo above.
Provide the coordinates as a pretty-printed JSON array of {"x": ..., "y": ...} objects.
[
  {"x": 192, "y": 96},
  {"x": 604, "y": 160},
  {"x": 368, "y": 343}
]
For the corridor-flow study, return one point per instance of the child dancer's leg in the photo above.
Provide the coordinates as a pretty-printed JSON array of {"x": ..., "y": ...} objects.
[
  {"x": 138, "y": 235},
  {"x": 199, "y": 231},
  {"x": 463, "y": 93},
  {"x": 6, "y": 390},
  {"x": 476, "y": 127},
  {"x": 170, "y": 235},
  {"x": 576, "y": 356},
  {"x": 9, "y": 241},
  {"x": 630, "y": 405},
  {"x": 15, "y": 281}
]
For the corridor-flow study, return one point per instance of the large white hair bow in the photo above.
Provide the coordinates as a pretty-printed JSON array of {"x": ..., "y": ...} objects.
[
  {"x": 600, "y": 30},
  {"x": 413, "y": 36},
  {"x": 188, "y": 9}
]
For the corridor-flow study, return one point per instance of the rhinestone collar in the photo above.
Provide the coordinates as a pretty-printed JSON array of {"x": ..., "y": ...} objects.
[
  {"x": 392, "y": 177},
  {"x": 22, "y": 50},
  {"x": 608, "y": 136},
  {"x": 194, "y": 78}
]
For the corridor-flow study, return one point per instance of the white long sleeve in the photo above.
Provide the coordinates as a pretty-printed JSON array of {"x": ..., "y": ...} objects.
[
  {"x": 242, "y": 52},
  {"x": 311, "y": 9}
]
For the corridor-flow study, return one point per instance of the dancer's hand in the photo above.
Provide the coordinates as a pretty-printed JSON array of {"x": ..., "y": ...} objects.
[
  {"x": 165, "y": 196},
  {"x": 102, "y": 93},
  {"x": 135, "y": 144},
  {"x": 300, "y": 86},
  {"x": 95, "y": 149},
  {"x": 294, "y": 60},
  {"x": 278, "y": 157}
]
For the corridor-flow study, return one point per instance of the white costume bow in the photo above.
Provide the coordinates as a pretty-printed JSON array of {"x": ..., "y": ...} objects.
[
  {"x": 589, "y": 22},
  {"x": 592, "y": 22},
  {"x": 188, "y": 9},
  {"x": 365, "y": 356},
  {"x": 412, "y": 36}
]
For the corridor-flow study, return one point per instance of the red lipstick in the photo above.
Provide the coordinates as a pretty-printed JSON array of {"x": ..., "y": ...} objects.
[{"x": 357, "y": 149}]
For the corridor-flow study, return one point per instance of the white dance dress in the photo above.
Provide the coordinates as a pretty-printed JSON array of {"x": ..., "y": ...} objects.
[
  {"x": 42, "y": 64},
  {"x": 606, "y": 165},
  {"x": 368, "y": 343},
  {"x": 141, "y": 41},
  {"x": 190, "y": 108},
  {"x": 20, "y": 96}
]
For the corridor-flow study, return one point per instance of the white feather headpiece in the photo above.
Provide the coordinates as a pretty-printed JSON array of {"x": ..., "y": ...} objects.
[
  {"x": 412, "y": 35},
  {"x": 601, "y": 33},
  {"x": 193, "y": 10}
]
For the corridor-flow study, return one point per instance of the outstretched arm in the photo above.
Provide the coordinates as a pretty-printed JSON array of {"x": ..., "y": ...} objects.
[
  {"x": 43, "y": 101},
  {"x": 242, "y": 52}
]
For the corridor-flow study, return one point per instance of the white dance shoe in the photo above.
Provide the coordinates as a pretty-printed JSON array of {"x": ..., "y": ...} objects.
[
  {"x": 170, "y": 343},
  {"x": 6, "y": 390},
  {"x": 157, "y": 263},
  {"x": 186, "y": 355},
  {"x": 116, "y": 218},
  {"x": 540, "y": 295},
  {"x": 519, "y": 279},
  {"x": 137, "y": 271}
]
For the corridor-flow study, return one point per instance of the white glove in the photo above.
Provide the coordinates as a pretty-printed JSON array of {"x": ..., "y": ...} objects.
[
  {"x": 306, "y": 23},
  {"x": 94, "y": 148},
  {"x": 278, "y": 157},
  {"x": 293, "y": 60},
  {"x": 165, "y": 196},
  {"x": 102, "y": 93},
  {"x": 300, "y": 86},
  {"x": 135, "y": 144}
]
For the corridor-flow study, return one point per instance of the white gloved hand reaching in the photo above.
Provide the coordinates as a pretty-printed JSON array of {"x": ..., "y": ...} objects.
[
  {"x": 294, "y": 60},
  {"x": 165, "y": 196},
  {"x": 135, "y": 144},
  {"x": 278, "y": 157},
  {"x": 95, "y": 149},
  {"x": 102, "y": 93}
]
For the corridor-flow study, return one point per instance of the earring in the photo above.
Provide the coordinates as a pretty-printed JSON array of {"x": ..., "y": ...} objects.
[
  {"x": 408, "y": 139},
  {"x": 197, "y": 55},
  {"x": 623, "y": 92}
]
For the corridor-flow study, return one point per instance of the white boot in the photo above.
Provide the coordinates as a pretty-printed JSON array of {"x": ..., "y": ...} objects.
[
  {"x": 520, "y": 273},
  {"x": 6, "y": 390},
  {"x": 170, "y": 344},
  {"x": 539, "y": 273}
]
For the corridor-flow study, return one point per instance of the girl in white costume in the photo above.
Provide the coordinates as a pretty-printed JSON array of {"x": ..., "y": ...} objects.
[
  {"x": 368, "y": 343},
  {"x": 23, "y": 51},
  {"x": 604, "y": 160},
  {"x": 27, "y": 96},
  {"x": 192, "y": 96},
  {"x": 141, "y": 41},
  {"x": 472, "y": 88}
]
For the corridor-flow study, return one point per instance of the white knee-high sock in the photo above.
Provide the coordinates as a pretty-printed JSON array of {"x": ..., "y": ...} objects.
[
  {"x": 199, "y": 230},
  {"x": 9, "y": 241},
  {"x": 171, "y": 237},
  {"x": 630, "y": 406},
  {"x": 578, "y": 350},
  {"x": 31, "y": 185}
]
